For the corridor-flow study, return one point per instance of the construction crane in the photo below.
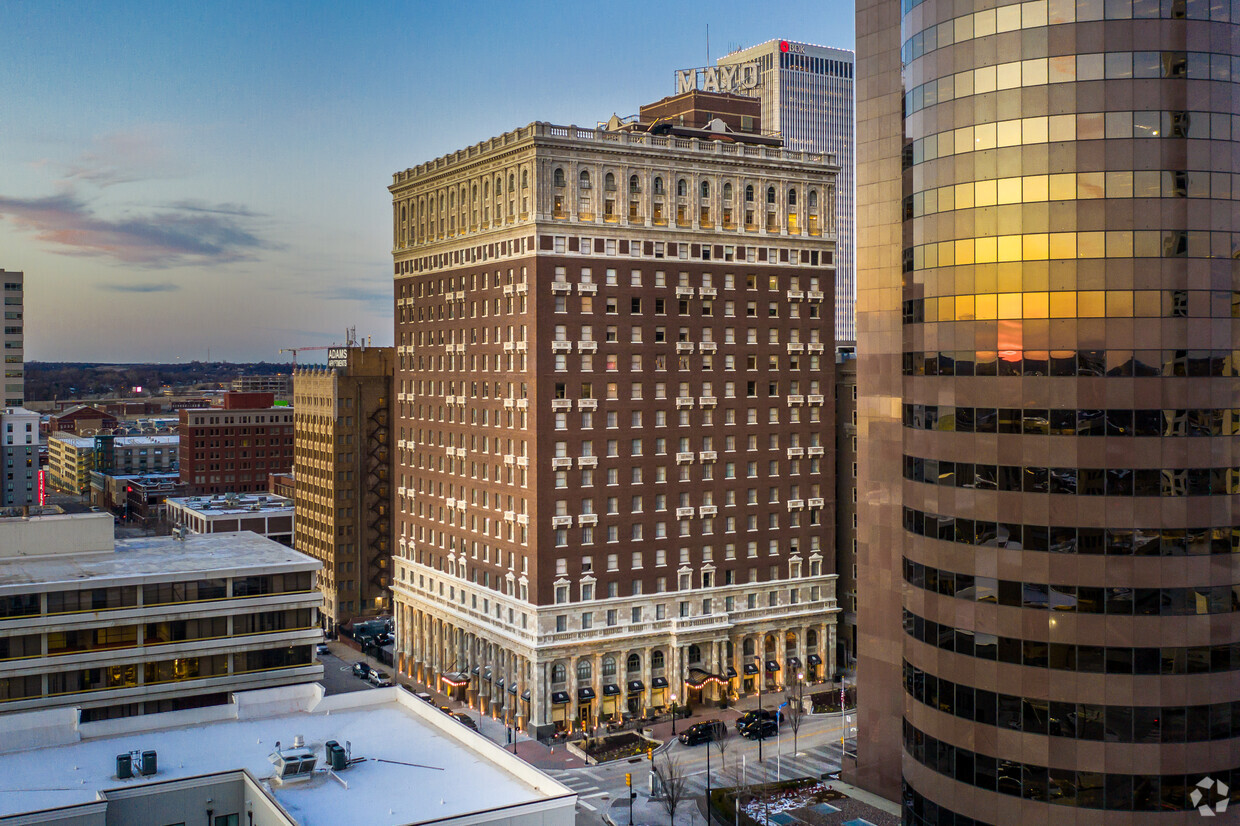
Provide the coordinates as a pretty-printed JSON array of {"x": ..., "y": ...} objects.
[{"x": 296, "y": 350}]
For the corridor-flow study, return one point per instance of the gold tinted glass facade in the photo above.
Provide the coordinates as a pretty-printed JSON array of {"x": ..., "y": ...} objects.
[{"x": 1069, "y": 558}]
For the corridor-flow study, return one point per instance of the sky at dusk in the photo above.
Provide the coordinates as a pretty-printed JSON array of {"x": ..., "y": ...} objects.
[{"x": 176, "y": 177}]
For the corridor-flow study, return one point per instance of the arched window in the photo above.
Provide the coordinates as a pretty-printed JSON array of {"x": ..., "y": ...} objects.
[
  {"x": 705, "y": 189},
  {"x": 813, "y": 199},
  {"x": 609, "y": 667},
  {"x": 634, "y": 185},
  {"x": 770, "y": 194},
  {"x": 656, "y": 659},
  {"x": 583, "y": 180},
  {"x": 682, "y": 187},
  {"x": 727, "y": 192},
  {"x": 583, "y": 670},
  {"x": 525, "y": 178},
  {"x": 658, "y": 186},
  {"x": 695, "y": 654},
  {"x": 558, "y": 177},
  {"x": 559, "y": 673},
  {"x": 609, "y": 182},
  {"x": 749, "y": 193},
  {"x": 811, "y": 639},
  {"x": 634, "y": 663},
  {"x": 792, "y": 197},
  {"x": 512, "y": 180},
  {"x": 486, "y": 189},
  {"x": 748, "y": 648},
  {"x": 404, "y": 215}
]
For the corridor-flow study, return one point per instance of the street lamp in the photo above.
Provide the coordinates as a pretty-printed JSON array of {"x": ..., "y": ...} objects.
[
  {"x": 800, "y": 710},
  {"x": 673, "y": 713}
]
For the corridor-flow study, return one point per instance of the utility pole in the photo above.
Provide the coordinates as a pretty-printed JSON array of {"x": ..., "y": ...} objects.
[{"x": 761, "y": 680}]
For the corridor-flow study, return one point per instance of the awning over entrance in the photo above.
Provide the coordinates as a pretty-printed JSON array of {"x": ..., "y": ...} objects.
[
  {"x": 699, "y": 678},
  {"x": 476, "y": 669},
  {"x": 636, "y": 686},
  {"x": 750, "y": 668},
  {"x": 659, "y": 682},
  {"x": 814, "y": 659},
  {"x": 525, "y": 695},
  {"x": 559, "y": 697},
  {"x": 512, "y": 689},
  {"x": 611, "y": 690},
  {"x": 586, "y": 693},
  {"x": 794, "y": 662},
  {"x": 455, "y": 678},
  {"x": 772, "y": 666},
  {"x": 731, "y": 672}
]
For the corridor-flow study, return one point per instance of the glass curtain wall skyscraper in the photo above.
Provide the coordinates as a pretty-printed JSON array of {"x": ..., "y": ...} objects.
[
  {"x": 807, "y": 97},
  {"x": 1049, "y": 413}
]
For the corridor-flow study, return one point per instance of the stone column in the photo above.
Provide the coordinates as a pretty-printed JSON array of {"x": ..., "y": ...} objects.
[
  {"x": 647, "y": 673},
  {"x": 596, "y": 672},
  {"x": 571, "y": 711}
]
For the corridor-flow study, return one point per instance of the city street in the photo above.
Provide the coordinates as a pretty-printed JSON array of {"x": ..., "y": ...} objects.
[{"x": 602, "y": 787}]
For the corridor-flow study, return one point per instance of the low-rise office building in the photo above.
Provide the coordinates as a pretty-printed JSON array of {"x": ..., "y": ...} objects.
[
  {"x": 19, "y": 457},
  {"x": 70, "y": 460},
  {"x": 153, "y": 624},
  {"x": 269, "y": 516},
  {"x": 262, "y": 760}
]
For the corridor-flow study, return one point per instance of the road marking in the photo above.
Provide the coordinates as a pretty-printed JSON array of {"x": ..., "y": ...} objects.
[{"x": 586, "y": 805}]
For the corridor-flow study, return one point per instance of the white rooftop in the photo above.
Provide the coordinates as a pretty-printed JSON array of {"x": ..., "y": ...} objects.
[
  {"x": 72, "y": 439},
  {"x": 240, "y": 506},
  {"x": 152, "y": 557},
  {"x": 420, "y": 764}
]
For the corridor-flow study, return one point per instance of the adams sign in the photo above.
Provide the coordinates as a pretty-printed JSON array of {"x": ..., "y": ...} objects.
[{"x": 738, "y": 78}]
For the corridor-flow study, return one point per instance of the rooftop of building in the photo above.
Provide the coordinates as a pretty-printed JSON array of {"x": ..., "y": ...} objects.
[
  {"x": 65, "y": 437},
  {"x": 134, "y": 561},
  {"x": 413, "y": 763},
  {"x": 551, "y": 133},
  {"x": 236, "y": 504}
]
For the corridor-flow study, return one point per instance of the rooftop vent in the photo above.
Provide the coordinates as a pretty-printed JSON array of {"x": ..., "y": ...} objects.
[{"x": 295, "y": 763}]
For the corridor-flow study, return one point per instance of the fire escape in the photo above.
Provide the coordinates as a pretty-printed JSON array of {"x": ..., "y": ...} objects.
[{"x": 377, "y": 501}]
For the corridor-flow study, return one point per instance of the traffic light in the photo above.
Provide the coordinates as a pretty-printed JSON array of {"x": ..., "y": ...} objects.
[
  {"x": 650, "y": 754},
  {"x": 628, "y": 779}
]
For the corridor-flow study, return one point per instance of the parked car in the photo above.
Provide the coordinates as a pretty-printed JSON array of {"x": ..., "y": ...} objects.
[
  {"x": 322, "y": 648},
  {"x": 704, "y": 732},
  {"x": 446, "y": 710},
  {"x": 360, "y": 669},
  {"x": 760, "y": 730},
  {"x": 379, "y": 679},
  {"x": 466, "y": 720},
  {"x": 424, "y": 697},
  {"x": 753, "y": 715}
]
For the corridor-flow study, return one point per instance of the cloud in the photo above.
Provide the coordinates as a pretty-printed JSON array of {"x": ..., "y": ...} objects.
[
  {"x": 141, "y": 288},
  {"x": 135, "y": 154},
  {"x": 171, "y": 236}
]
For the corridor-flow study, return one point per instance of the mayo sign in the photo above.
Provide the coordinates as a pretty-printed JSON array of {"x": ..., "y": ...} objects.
[{"x": 737, "y": 78}]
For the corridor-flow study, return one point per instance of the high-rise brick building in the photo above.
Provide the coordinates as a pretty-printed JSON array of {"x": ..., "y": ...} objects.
[
  {"x": 614, "y": 469},
  {"x": 1049, "y": 465},
  {"x": 342, "y": 478},
  {"x": 12, "y": 288},
  {"x": 231, "y": 449}
]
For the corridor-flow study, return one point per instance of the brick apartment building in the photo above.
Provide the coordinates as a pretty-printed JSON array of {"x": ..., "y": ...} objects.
[
  {"x": 232, "y": 448},
  {"x": 615, "y": 471}
]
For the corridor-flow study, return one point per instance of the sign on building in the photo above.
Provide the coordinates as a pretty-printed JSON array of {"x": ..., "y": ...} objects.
[
  {"x": 737, "y": 79},
  {"x": 338, "y": 357}
]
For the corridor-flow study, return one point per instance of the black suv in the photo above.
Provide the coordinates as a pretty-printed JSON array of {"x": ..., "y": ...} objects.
[
  {"x": 760, "y": 729},
  {"x": 703, "y": 732},
  {"x": 750, "y": 717},
  {"x": 360, "y": 669}
]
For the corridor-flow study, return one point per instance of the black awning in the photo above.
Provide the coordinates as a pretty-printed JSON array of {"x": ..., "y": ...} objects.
[
  {"x": 636, "y": 685},
  {"x": 525, "y": 695},
  {"x": 559, "y": 697},
  {"x": 659, "y": 682},
  {"x": 731, "y": 672},
  {"x": 476, "y": 669},
  {"x": 500, "y": 682},
  {"x": 486, "y": 675},
  {"x": 814, "y": 659},
  {"x": 512, "y": 689},
  {"x": 586, "y": 693},
  {"x": 794, "y": 662},
  {"x": 772, "y": 666},
  {"x": 611, "y": 690},
  {"x": 750, "y": 668}
]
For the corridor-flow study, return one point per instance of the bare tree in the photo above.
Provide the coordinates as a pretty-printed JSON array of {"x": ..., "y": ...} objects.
[
  {"x": 722, "y": 744},
  {"x": 794, "y": 711},
  {"x": 674, "y": 785}
]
